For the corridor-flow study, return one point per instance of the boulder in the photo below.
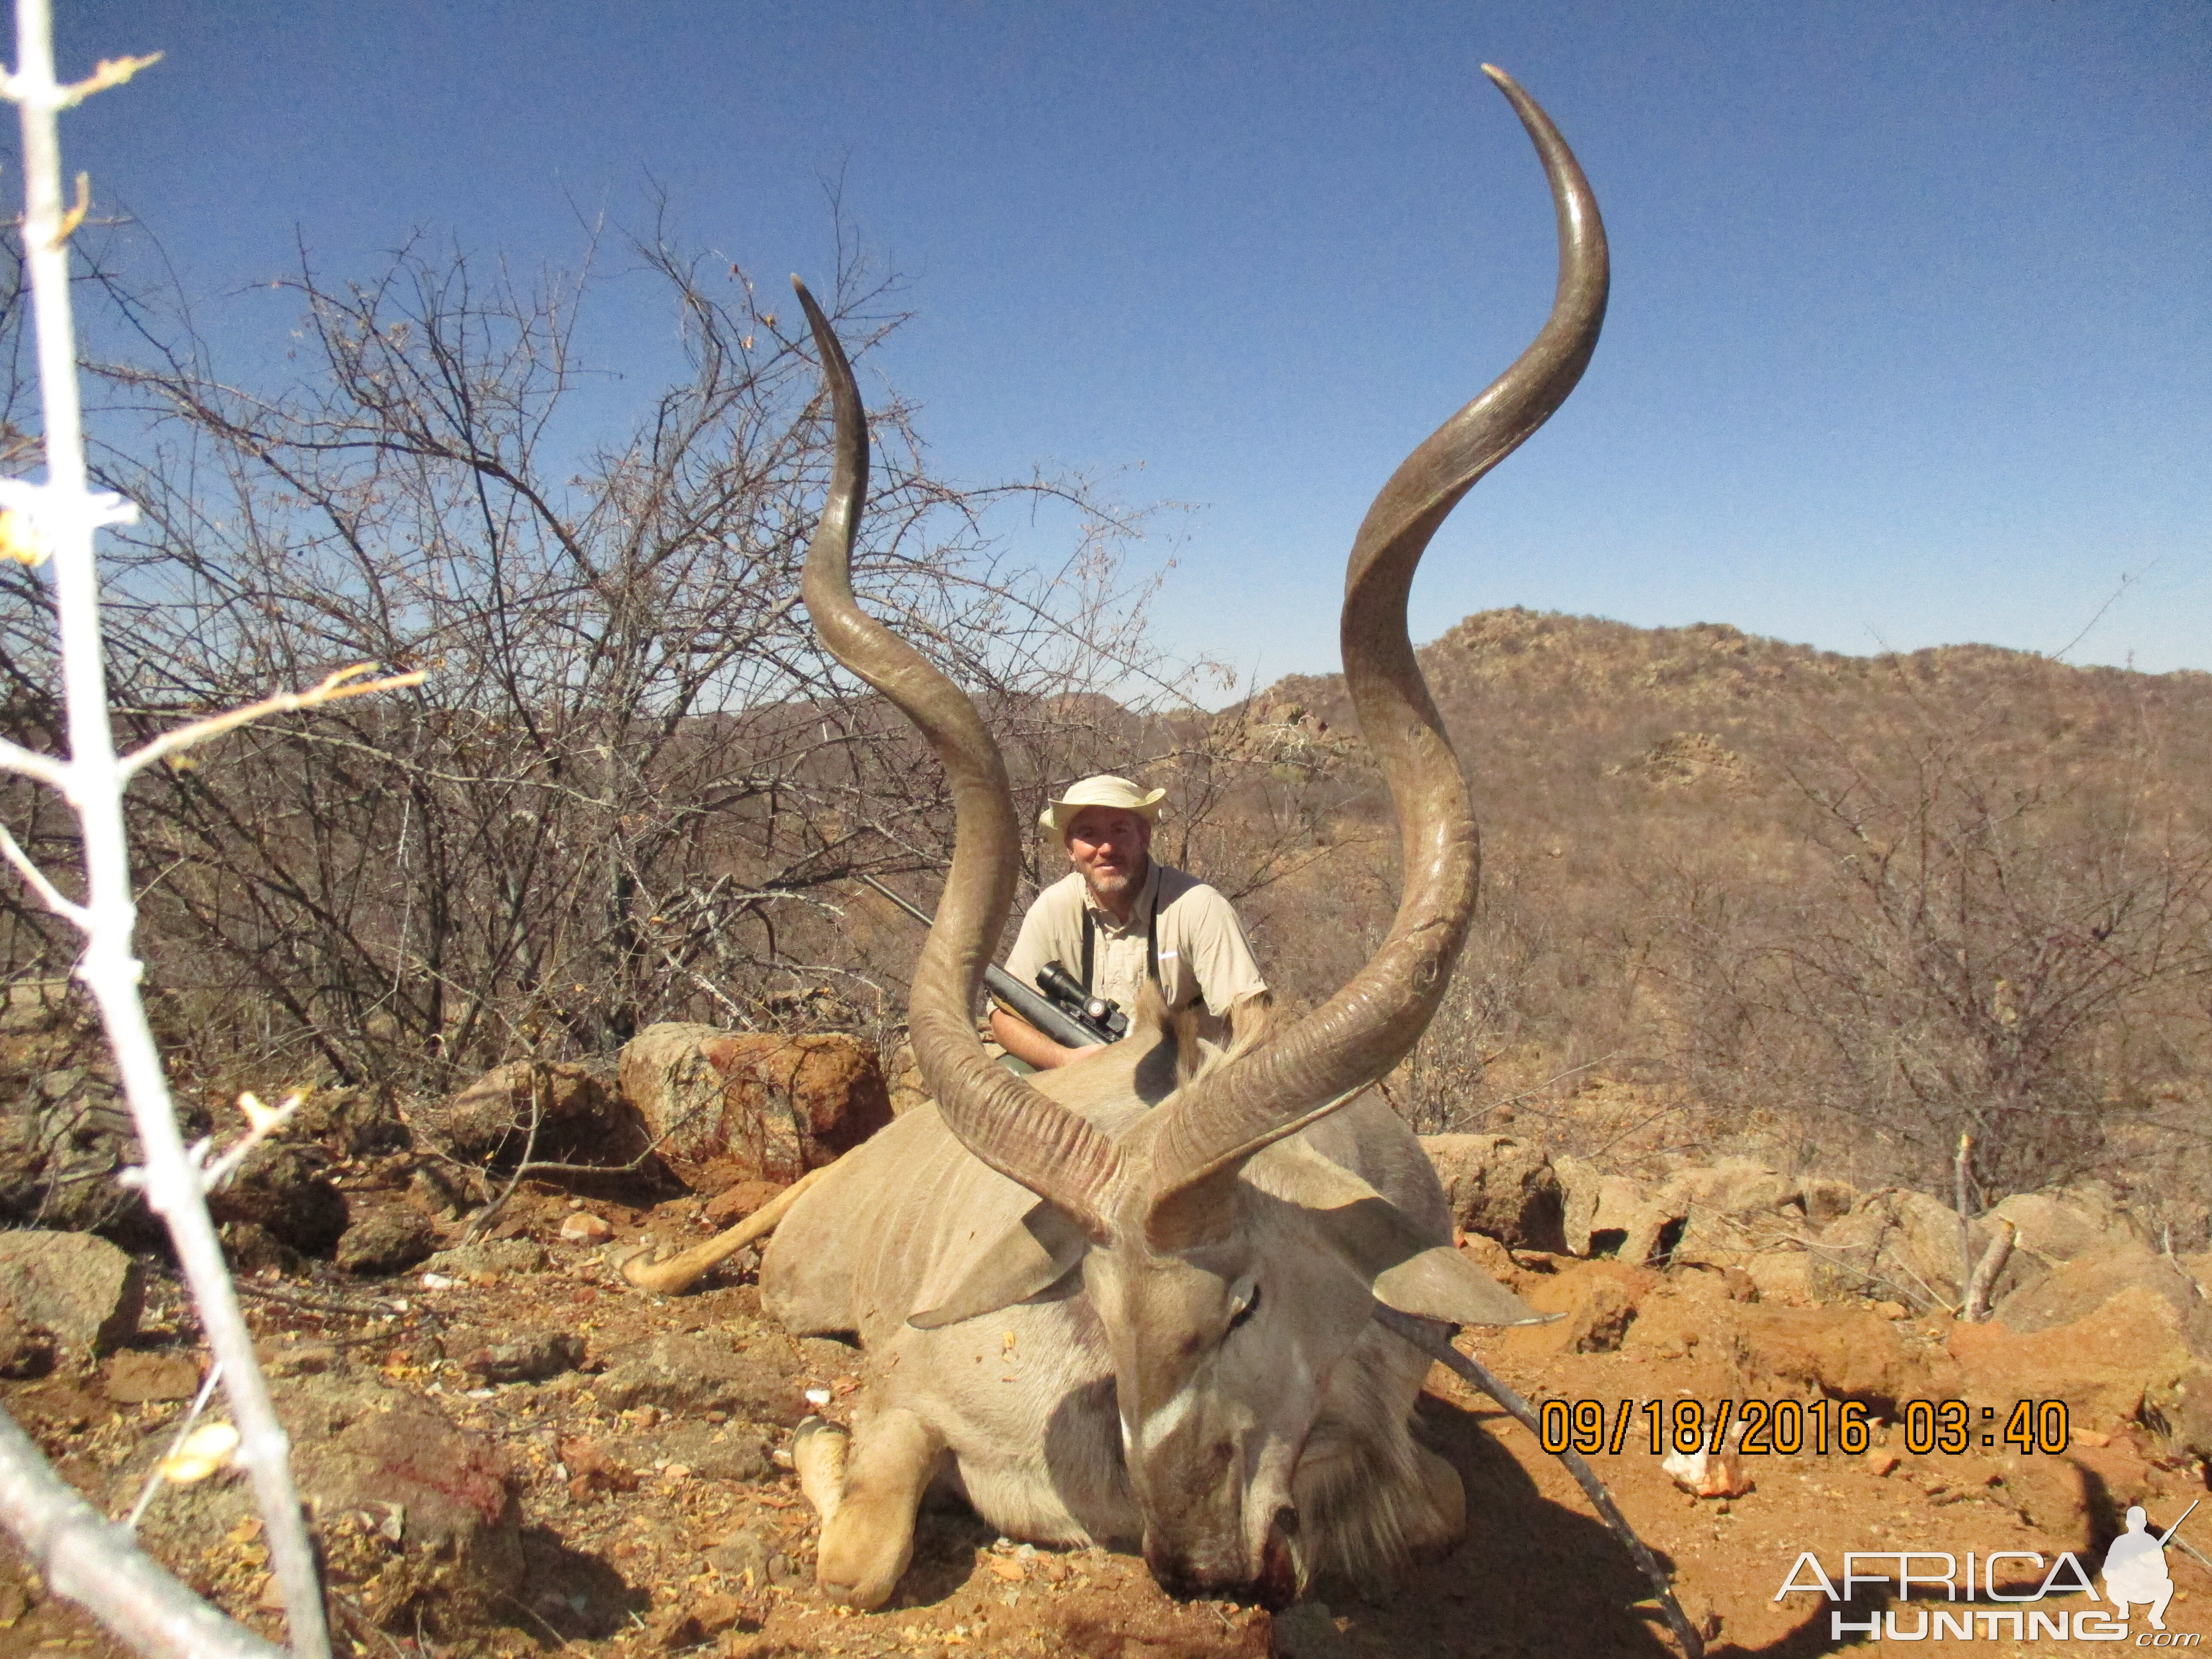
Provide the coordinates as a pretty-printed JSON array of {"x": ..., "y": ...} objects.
[
  {"x": 389, "y": 1241},
  {"x": 1784, "y": 1276},
  {"x": 418, "y": 1517},
  {"x": 2134, "y": 1357},
  {"x": 26, "y": 1350},
  {"x": 88, "y": 1293},
  {"x": 1596, "y": 1208},
  {"x": 1732, "y": 1210},
  {"x": 62, "y": 1140},
  {"x": 722, "y": 1109},
  {"x": 1847, "y": 1353},
  {"x": 2078, "y": 1288},
  {"x": 2058, "y": 1227},
  {"x": 1903, "y": 1246},
  {"x": 358, "y": 1122},
  {"x": 1596, "y": 1303},
  {"x": 1501, "y": 1187},
  {"x": 581, "y": 1115},
  {"x": 282, "y": 1189},
  {"x": 1824, "y": 1200}
]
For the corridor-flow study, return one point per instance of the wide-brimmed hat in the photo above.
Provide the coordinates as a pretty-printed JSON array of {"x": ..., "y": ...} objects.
[{"x": 1104, "y": 790}]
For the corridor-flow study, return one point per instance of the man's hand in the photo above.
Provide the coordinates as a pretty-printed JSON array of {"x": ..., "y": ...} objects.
[{"x": 1025, "y": 1042}]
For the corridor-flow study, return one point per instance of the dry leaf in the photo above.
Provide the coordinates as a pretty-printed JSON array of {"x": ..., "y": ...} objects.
[{"x": 203, "y": 1451}]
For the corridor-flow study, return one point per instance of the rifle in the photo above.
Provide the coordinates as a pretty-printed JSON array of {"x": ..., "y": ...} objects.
[{"x": 1057, "y": 1007}]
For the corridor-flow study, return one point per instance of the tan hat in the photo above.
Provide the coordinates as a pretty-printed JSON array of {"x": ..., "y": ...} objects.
[{"x": 1104, "y": 790}]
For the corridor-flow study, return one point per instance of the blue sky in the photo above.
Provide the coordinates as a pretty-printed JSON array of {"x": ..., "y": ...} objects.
[{"x": 1909, "y": 340}]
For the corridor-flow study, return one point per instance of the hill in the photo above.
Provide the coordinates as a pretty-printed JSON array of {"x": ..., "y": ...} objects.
[{"x": 1853, "y": 907}]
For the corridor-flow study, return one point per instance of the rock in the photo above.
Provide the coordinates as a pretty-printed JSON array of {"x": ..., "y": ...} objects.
[
  {"x": 1501, "y": 1187},
  {"x": 2100, "y": 1272},
  {"x": 746, "y": 1551},
  {"x": 585, "y": 1227},
  {"x": 2131, "y": 1358},
  {"x": 702, "y": 1374},
  {"x": 593, "y": 1470},
  {"x": 1601, "y": 1319},
  {"x": 1597, "y": 1302},
  {"x": 281, "y": 1186},
  {"x": 388, "y": 1240},
  {"x": 88, "y": 1293},
  {"x": 131, "y": 1379},
  {"x": 735, "y": 1451},
  {"x": 1902, "y": 1245},
  {"x": 1596, "y": 1208},
  {"x": 581, "y": 1118},
  {"x": 62, "y": 1142},
  {"x": 1708, "y": 1474},
  {"x": 26, "y": 1350},
  {"x": 252, "y": 1249},
  {"x": 2058, "y": 1227},
  {"x": 734, "y": 1204},
  {"x": 1655, "y": 1229},
  {"x": 498, "y": 1255},
  {"x": 527, "y": 1359},
  {"x": 357, "y": 1121},
  {"x": 1782, "y": 1276},
  {"x": 724, "y": 1108},
  {"x": 418, "y": 1519},
  {"x": 1847, "y": 1353},
  {"x": 1823, "y": 1201}
]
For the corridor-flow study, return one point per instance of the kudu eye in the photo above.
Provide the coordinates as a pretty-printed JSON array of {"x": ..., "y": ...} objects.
[{"x": 1246, "y": 1295}]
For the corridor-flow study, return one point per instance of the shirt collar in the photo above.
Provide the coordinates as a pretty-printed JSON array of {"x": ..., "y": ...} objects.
[{"x": 1148, "y": 897}]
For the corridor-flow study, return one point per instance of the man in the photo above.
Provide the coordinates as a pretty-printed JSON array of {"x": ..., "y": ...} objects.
[{"x": 1119, "y": 919}]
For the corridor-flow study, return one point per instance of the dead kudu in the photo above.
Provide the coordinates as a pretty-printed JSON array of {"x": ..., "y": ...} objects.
[{"x": 1133, "y": 1300}]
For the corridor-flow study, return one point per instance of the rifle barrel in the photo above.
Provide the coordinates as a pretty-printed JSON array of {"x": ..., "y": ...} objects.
[
  {"x": 1020, "y": 999},
  {"x": 2176, "y": 1527}
]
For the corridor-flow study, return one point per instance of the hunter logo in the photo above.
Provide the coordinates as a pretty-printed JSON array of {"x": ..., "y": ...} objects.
[
  {"x": 2134, "y": 1572},
  {"x": 2135, "y": 1567}
]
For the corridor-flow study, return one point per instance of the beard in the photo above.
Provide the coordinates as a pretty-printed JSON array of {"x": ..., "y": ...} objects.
[{"x": 1111, "y": 883}]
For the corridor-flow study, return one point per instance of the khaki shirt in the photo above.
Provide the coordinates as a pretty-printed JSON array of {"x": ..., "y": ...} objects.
[{"x": 1203, "y": 952}]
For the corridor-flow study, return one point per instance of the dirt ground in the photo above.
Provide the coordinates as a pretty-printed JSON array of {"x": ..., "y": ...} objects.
[{"x": 630, "y": 1550}]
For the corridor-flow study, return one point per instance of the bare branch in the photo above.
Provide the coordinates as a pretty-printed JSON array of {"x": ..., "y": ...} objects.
[{"x": 343, "y": 683}]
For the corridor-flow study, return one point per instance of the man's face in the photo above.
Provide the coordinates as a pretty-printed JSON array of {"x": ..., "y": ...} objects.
[{"x": 1108, "y": 845}]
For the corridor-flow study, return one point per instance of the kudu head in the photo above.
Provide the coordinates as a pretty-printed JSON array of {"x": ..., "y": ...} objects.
[{"x": 1231, "y": 1271}]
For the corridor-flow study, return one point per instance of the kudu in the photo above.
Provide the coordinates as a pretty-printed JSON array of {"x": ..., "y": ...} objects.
[{"x": 1133, "y": 1299}]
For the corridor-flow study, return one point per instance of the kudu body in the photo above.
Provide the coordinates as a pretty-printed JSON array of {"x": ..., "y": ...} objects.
[{"x": 1131, "y": 1300}]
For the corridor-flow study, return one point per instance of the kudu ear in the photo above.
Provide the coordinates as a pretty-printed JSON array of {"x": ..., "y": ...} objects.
[
  {"x": 1379, "y": 1242},
  {"x": 1028, "y": 1259}
]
